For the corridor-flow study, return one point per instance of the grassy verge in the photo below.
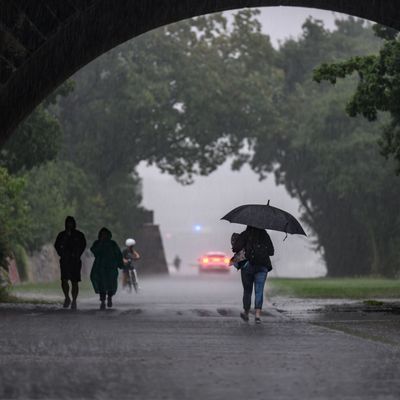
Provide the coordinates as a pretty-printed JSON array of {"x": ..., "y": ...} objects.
[
  {"x": 42, "y": 292},
  {"x": 344, "y": 288},
  {"x": 15, "y": 299}
]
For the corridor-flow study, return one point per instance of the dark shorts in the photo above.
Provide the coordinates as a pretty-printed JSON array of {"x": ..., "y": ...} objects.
[{"x": 71, "y": 271}]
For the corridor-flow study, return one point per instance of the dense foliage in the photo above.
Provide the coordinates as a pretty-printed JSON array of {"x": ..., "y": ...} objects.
[
  {"x": 378, "y": 87},
  {"x": 13, "y": 217},
  {"x": 185, "y": 98},
  {"x": 331, "y": 162}
]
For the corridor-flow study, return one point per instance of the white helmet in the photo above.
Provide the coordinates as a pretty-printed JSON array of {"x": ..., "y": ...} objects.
[{"x": 130, "y": 242}]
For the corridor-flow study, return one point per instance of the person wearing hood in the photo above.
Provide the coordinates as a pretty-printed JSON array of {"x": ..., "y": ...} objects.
[
  {"x": 107, "y": 260},
  {"x": 70, "y": 244}
]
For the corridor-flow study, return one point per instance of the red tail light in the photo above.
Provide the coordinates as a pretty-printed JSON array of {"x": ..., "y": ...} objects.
[{"x": 214, "y": 260}]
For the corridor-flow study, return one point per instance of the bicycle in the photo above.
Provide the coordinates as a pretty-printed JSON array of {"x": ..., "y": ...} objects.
[{"x": 130, "y": 280}]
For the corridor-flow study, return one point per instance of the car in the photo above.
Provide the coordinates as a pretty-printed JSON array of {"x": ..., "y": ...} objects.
[{"x": 214, "y": 261}]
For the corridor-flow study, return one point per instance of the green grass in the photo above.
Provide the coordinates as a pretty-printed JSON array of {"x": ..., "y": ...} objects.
[
  {"x": 344, "y": 288},
  {"x": 47, "y": 289},
  {"x": 22, "y": 300},
  {"x": 40, "y": 293},
  {"x": 340, "y": 288}
]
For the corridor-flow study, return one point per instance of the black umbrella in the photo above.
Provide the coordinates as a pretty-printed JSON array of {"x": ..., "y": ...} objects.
[{"x": 265, "y": 217}]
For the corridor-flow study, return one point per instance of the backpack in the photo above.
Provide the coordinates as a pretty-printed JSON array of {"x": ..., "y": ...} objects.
[{"x": 258, "y": 254}]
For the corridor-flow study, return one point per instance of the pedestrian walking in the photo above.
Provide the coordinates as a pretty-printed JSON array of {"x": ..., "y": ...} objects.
[
  {"x": 177, "y": 262},
  {"x": 253, "y": 247},
  {"x": 104, "y": 273},
  {"x": 70, "y": 244},
  {"x": 130, "y": 256},
  {"x": 258, "y": 248}
]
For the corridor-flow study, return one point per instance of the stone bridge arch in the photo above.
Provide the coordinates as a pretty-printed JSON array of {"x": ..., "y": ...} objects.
[{"x": 43, "y": 42}]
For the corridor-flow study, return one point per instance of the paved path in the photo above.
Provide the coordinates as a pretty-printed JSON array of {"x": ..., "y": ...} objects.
[{"x": 181, "y": 338}]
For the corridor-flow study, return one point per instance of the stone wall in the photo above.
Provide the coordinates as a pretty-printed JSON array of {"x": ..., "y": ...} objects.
[
  {"x": 151, "y": 249},
  {"x": 44, "y": 265}
]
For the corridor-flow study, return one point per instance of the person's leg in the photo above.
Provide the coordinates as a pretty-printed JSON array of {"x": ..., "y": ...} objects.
[
  {"x": 247, "y": 282},
  {"x": 109, "y": 299},
  {"x": 259, "y": 283},
  {"x": 126, "y": 280},
  {"x": 74, "y": 292},
  {"x": 65, "y": 289},
  {"x": 135, "y": 279},
  {"x": 102, "y": 301},
  {"x": 123, "y": 279}
]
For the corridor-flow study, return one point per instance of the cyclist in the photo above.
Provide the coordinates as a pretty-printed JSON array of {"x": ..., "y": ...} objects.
[{"x": 129, "y": 277}]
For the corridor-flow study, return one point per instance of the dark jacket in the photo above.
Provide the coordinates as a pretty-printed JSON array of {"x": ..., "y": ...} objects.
[
  {"x": 252, "y": 237},
  {"x": 70, "y": 246}
]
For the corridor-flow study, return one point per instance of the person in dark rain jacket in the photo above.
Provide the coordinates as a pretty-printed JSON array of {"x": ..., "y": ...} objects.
[{"x": 70, "y": 244}]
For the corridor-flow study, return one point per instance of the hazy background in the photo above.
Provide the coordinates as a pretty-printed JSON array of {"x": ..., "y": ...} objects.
[{"x": 189, "y": 216}]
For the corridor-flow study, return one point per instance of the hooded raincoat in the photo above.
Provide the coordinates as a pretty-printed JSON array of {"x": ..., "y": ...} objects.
[{"x": 108, "y": 258}]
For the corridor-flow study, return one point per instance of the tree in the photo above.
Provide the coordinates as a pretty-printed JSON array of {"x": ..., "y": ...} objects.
[
  {"x": 328, "y": 160},
  {"x": 187, "y": 96},
  {"x": 183, "y": 97},
  {"x": 58, "y": 189},
  {"x": 38, "y": 139},
  {"x": 187, "y": 87},
  {"x": 378, "y": 88},
  {"x": 13, "y": 214}
]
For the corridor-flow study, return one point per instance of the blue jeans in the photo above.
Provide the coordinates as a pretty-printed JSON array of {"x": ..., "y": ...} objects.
[{"x": 253, "y": 275}]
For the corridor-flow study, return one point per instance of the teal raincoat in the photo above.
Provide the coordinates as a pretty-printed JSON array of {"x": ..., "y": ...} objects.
[{"x": 104, "y": 274}]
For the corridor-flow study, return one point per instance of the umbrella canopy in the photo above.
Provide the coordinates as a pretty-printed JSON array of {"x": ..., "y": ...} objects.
[{"x": 264, "y": 216}]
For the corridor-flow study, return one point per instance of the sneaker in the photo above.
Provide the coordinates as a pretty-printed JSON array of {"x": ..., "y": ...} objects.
[
  {"x": 244, "y": 316},
  {"x": 103, "y": 305},
  {"x": 109, "y": 302},
  {"x": 258, "y": 320},
  {"x": 73, "y": 305},
  {"x": 67, "y": 302}
]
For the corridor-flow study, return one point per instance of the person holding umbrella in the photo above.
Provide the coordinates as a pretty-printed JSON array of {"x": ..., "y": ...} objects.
[{"x": 257, "y": 247}]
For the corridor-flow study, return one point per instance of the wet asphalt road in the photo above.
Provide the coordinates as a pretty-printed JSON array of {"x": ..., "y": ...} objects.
[{"x": 181, "y": 338}]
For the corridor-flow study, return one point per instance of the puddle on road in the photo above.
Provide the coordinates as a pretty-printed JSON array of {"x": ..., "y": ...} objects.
[
  {"x": 372, "y": 320},
  {"x": 202, "y": 313},
  {"x": 226, "y": 312},
  {"x": 325, "y": 309}
]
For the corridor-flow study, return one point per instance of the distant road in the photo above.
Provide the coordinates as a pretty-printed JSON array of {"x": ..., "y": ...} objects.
[{"x": 181, "y": 338}]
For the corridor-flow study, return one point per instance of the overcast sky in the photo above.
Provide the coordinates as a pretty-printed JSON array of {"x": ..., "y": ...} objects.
[
  {"x": 281, "y": 23},
  {"x": 179, "y": 210}
]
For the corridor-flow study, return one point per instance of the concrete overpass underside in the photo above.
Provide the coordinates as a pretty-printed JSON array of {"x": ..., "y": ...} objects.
[{"x": 43, "y": 42}]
